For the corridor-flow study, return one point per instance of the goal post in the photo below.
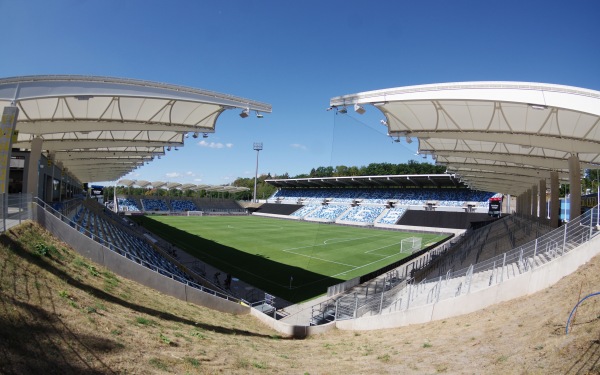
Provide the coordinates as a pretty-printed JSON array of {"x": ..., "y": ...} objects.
[
  {"x": 410, "y": 245},
  {"x": 195, "y": 213}
]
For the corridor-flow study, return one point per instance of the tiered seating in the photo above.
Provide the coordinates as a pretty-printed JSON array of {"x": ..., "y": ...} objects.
[
  {"x": 327, "y": 212},
  {"x": 126, "y": 204},
  {"x": 362, "y": 214},
  {"x": 391, "y": 217},
  {"x": 183, "y": 205},
  {"x": 154, "y": 205},
  {"x": 403, "y": 197},
  {"x": 305, "y": 210},
  {"x": 121, "y": 241}
]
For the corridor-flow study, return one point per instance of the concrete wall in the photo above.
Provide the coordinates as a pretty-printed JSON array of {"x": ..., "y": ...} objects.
[
  {"x": 131, "y": 270},
  {"x": 528, "y": 283},
  {"x": 290, "y": 330}
]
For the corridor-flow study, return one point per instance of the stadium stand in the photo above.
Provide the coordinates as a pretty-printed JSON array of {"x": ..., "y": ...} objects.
[
  {"x": 127, "y": 204},
  {"x": 183, "y": 205},
  {"x": 154, "y": 205},
  {"x": 326, "y": 213},
  {"x": 392, "y": 216},
  {"x": 88, "y": 220},
  {"x": 362, "y": 214},
  {"x": 402, "y": 197}
]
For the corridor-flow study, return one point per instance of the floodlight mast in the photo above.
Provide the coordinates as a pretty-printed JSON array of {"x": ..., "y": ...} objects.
[{"x": 258, "y": 146}]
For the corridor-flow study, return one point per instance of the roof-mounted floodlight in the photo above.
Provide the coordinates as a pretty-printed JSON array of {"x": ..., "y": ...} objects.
[
  {"x": 359, "y": 109},
  {"x": 330, "y": 108},
  {"x": 204, "y": 135},
  {"x": 245, "y": 113},
  {"x": 168, "y": 148},
  {"x": 408, "y": 139},
  {"x": 259, "y": 115},
  {"x": 195, "y": 135}
]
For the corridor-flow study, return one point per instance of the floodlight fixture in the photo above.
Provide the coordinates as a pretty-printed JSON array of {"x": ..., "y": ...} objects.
[
  {"x": 245, "y": 113},
  {"x": 259, "y": 115},
  {"x": 168, "y": 148},
  {"x": 538, "y": 107},
  {"x": 408, "y": 139},
  {"x": 204, "y": 135},
  {"x": 330, "y": 108},
  {"x": 187, "y": 135},
  {"x": 359, "y": 109},
  {"x": 195, "y": 135},
  {"x": 343, "y": 111}
]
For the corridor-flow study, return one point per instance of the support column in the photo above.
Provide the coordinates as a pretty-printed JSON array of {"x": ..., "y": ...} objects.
[
  {"x": 543, "y": 206},
  {"x": 554, "y": 202},
  {"x": 33, "y": 168},
  {"x": 528, "y": 202},
  {"x": 534, "y": 201},
  {"x": 575, "y": 182}
]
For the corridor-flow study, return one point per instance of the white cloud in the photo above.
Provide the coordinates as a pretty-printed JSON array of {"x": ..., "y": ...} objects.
[
  {"x": 197, "y": 180},
  {"x": 203, "y": 143},
  {"x": 190, "y": 174},
  {"x": 298, "y": 146},
  {"x": 173, "y": 174}
]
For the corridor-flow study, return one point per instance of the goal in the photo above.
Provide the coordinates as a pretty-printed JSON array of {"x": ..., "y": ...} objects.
[
  {"x": 195, "y": 213},
  {"x": 410, "y": 245}
]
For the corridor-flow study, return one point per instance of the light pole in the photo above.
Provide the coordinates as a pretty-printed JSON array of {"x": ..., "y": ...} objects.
[{"x": 257, "y": 147}]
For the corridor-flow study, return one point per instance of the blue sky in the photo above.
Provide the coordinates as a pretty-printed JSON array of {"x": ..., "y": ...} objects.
[{"x": 296, "y": 56}]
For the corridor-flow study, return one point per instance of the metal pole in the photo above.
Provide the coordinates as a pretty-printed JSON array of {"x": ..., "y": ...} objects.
[
  {"x": 564, "y": 240},
  {"x": 257, "y": 147}
]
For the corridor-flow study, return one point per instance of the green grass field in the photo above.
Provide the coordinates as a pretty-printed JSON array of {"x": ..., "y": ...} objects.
[{"x": 269, "y": 253}]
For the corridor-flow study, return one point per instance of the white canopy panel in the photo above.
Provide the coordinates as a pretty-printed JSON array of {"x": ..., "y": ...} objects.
[
  {"x": 88, "y": 118},
  {"x": 493, "y": 126}
]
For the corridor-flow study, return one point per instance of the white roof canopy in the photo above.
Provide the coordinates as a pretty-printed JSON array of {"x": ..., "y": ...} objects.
[
  {"x": 102, "y": 128},
  {"x": 187, "y": 186},
  {"x": 494, "y": 130}
]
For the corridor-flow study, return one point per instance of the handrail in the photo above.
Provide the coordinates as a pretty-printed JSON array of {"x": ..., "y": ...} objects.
[{"x": 132, "y": 257}]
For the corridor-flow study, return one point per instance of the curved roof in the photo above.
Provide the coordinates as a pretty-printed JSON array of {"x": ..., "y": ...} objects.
[
  {"x": 101, "y": 128},
  {"x": 412, "y": 180},
  {"x": 187, "y": 186},
  {"x": 491, "y": 132}
]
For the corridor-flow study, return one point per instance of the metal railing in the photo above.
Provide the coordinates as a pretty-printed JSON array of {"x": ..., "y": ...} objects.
[
  {"x": 14, "y": 208},
  {"x": 410, "y": 293},
  {"x": 127, "y": 255}
]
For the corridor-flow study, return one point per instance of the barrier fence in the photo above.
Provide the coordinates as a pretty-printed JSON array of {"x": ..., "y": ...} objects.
[
  {"x": 397, "y": 293},
  {"x": 15, "y": 208}
]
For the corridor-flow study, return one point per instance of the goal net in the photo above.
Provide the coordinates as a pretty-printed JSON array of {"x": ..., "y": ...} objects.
[
  {"x": 410, "y": 245},
  {"x": 194, "y": 213}
]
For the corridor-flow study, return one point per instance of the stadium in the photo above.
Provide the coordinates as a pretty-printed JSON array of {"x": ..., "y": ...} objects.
[{"x": 321, "y": 255}]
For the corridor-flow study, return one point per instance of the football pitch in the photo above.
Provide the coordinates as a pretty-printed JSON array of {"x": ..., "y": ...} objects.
[{"x": 294, "y": 260}]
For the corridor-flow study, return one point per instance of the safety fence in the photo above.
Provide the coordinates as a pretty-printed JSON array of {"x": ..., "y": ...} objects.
[
  {"x": 397, "y": 293},
  {"x": 15, "y": 208}
]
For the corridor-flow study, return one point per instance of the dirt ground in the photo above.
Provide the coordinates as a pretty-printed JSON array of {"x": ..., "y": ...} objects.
[{"x": 59, "y": 313}]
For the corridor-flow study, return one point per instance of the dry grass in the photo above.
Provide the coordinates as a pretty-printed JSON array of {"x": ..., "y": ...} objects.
[{"x": 59, "y": 313}]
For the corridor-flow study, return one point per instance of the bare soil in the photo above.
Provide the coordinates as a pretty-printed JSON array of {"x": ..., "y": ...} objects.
[{"x": 59, "y": 313}]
